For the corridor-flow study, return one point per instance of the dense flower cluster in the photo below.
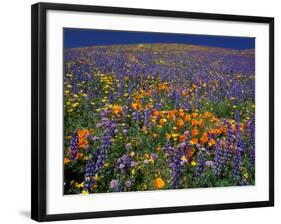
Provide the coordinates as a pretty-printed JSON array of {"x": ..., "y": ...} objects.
[{"x": 158, "y": 116}]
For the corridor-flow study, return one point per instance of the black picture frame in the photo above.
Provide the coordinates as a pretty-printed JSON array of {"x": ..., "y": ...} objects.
[{"x": 38, "y": 108}]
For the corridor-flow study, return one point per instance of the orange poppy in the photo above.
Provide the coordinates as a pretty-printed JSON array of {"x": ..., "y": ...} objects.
[
  {"x": 194, "y": 86},
  {"x": 183, "y": 138},
  {"x": 187, "y": 118},
  {"x": 212, "y": 131},
  {"x": 194, "y": 122},
  {"x": 156, "y": 113},
  {"x": 79, "y": 155},
  {"x": 116, "y": 109},
  {"x": 162, "y": 113},
  {"x": 66, "y": 161},
  {"x": 146, "y": 155},
  {"x": 180, "y": 123},
  {"x": 194, "y": 115},
  {"x": 168, "y": 136},
  {"x": 190, "y": 153},
  {"x": 164, "y": 86},
  {"x": 171, "y": 115},
  {"x": 184, "y": 93},
  {"x": 136, "y": 106},
  {"x": 148, "y": 93},
  {"x": 162, "y": 121},
  {"x": 194, "y": 132},
  {"x": 181, "y": 113},
  {"x": 208, "y": 114},
  {"x": 214, "y": 119},
  {"x": 211, "y": 142},
  {"x": 193, "y": 141},
  {"x": 204, "y": 138},
  {"x": 159, "y": 183},
  {"x": 138, "y": 97},
  {"x": 201, "y": 122},
  {"x": 223, "y": 130},
  {"x": 82, "y": 136},
  {"x": 149, "y": 106}
]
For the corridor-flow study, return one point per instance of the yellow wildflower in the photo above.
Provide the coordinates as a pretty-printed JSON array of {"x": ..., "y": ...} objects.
[
  {"x": 193, "y": 163},
  {"x": 85, "y": 192},
  {"x": 183, "y": 158}
]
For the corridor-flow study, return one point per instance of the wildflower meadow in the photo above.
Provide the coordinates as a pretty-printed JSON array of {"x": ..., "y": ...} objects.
[{"x": 158, "y": 116}]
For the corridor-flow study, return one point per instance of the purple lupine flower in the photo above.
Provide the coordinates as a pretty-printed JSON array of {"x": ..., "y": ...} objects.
[
  {"x": 209, "y": 163},
  {"x": 153, "y": 156},
  {"x": 186, "y": 133},
  {"x": 137, "y": 116},
  {"x": 182, "y": 145},
  {"x": 237, "y": 162},
  {"x": 239, "y": 150},
  {"x": 175, "y": 163},
  {"x": 196, "y": 100},
  {"x": 124, "y": 163},
  {"x": 128, "y": 146},
  {"x": 74, "y": 147},
  {"x": 103, "y": 150},
  {"x": 147, "y": 114},
  {"x": 111, "y": 97},
  {"x": 200, "y": 164},
  {"x": 104, "y": 113},
  {"x": 88, "y": 177},
  {"x": 227, "y": 154},
  {"x": 86, "y": 148},
  {"x": 252, "y": 156},
  {"x": 128, "y": 183},
  {"x": 168, "y": 147},
  {"x": 176, "y": 98},
  {"x": 240, "y": 143},
  {"x": 187, "y": 104},
  {"x": 105, "y": 121},
  {"x": 229, "y": 141},
  {"x": 88, "y": 135},
  {"x": 236, "y": 116},
  {"x": 251, "y": 133},
  {"x": 121, "y": 89},
  {"x": 218, "y": 159},
  {"x": 176, "y": 174},
  {"x": 121, "y": 166},
  {"x": 133, "y": 163},
  {"x": 129, "y": 103},
  {"x": 125, "y": 131},
  {"x": 99, "y": 125},
  {"x": 100, "y": 156},
  {"x": 112, "y": 128},
  {"x": 245, "y": 182},
  {"x": 95, "y": 138},
  {"x": 114, "y": 185}
]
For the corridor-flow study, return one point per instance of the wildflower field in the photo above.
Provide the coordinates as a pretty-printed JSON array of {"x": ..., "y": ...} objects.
[{"x": 158, "y": 116}]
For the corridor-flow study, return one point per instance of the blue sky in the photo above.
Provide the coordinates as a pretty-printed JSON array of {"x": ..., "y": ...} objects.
[{"x": 74, "y": 37}]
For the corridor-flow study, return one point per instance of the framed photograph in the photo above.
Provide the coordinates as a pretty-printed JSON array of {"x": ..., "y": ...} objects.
[{"x": 139, "y": 111}]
